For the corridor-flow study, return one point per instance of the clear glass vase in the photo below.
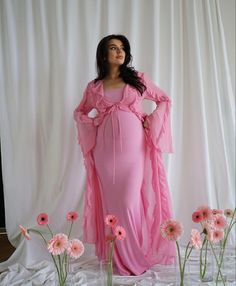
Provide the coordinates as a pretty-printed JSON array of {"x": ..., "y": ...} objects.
[
  {"x": 206, "y": 269},
  {"x": 106, "y": 273},
  {"x": 223, "y": 264},
  {"x": 171, "y": 275},
  {"x": 65, "y": 276}
]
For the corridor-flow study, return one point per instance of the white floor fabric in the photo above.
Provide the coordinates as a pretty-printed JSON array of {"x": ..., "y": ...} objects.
[{"x": 87, "y": 272}]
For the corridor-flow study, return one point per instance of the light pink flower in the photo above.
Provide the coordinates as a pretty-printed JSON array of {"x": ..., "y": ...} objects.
[
  {"x": 72, "y": 216},
  {"x": 207, "y": 227},
  {"x": 75, "y": 248},
  {"x": 228, "y": 213},
  {"x": 171, "y": 229},
  {"x": 111, "y": 220},
  {"x": 197, "y": 216},
  {"x": 42, "y": 219},
  {"x": 58, "y": 244},
  {"x": 219, "y": 221},
  {"x": 24, "y": 232},
  {"x": 206, "y": 212},
  {"x": 196, "y": 239},
  {"x": 215, "y": 235},
  {"x": 217, "y": 211},
  {"x": 120, "y": 232}
]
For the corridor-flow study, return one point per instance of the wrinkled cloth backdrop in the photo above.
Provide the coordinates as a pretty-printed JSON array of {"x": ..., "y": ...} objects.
[{"x": 47, "y": 57}]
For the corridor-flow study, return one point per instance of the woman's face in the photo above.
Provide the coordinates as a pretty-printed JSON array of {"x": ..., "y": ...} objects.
[{"x": 116, "y": 52}]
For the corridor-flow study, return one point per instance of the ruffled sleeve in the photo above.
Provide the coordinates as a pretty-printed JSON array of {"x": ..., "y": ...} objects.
[
  {"x": 85, "y": 127},
  {"x": 159, "y": 130}
]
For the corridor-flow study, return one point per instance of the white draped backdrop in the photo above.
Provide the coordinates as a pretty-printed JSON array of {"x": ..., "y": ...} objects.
[{"x": 47, "y": 57}]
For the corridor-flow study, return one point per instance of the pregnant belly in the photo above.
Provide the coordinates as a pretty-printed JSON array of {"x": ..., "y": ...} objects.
[{"x": 120, "y": 131}]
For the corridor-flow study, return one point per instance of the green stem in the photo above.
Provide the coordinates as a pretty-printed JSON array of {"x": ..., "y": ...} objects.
[
  {"x": 39, "y": 233},
  {"x": 180, "y": 266},
  {"x": 222, "y": 252},
  {"x": 45, "y": 241},
  {"x": 186, "y": 257},
  {"x": 217, "y": 262},
  {"x": 50, "y": 230},
  {"x": 70, "y": 229},
  {"x": 110, "y": 268},
  {"x": 231, "y": 224},
  {"x": 203, "y": 265}
]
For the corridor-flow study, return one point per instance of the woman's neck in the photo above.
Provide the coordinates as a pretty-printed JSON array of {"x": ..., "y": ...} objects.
[
  {"x": 113, "y": 74},
  {"x": 112, "y": 80}
]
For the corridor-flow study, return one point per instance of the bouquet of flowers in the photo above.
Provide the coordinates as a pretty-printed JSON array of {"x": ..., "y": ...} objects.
[
  {"x": 115, "y": 232},
  {"x": 60, "y": 246},
  {"x": 172, "y": 230},
  {"x": 216, "y": 226}
]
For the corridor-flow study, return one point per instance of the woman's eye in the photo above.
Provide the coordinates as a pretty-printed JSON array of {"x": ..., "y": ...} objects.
[{"x": 116, "y": 49}]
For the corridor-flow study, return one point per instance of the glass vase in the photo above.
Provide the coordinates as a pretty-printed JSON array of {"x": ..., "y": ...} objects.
[
  {"x": 65, "y": 276},
  {"x": 106, "y": 273},
  {"x": 228, "y": 265},
  {"x": 223, "y": 264},
  {"x": 206, "y": 265},
  {"x": 171, "y": 275}
]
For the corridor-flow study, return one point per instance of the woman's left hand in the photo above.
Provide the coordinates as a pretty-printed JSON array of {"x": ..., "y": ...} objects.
[{"x": 145, "y": 124}]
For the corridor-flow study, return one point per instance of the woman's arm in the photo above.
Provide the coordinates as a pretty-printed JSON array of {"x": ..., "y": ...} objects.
[
  {"x": 158, "y": 123},
  {"x": 86, "y": 130}
]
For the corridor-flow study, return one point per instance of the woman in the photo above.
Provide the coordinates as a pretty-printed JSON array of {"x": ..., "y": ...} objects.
[{"x": 122, "y": 148}]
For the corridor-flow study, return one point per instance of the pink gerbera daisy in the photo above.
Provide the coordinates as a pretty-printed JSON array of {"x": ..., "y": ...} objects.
[
  {"x": 219, "y": 221},
  {"x": 228, "y": 213},
  {"x": 42, "y": 219},
  {"x": 206, "y": 212},
  {"x": 217, "y": 211},
  {"x": 24, "y": 232},
  {"x": 75, "y": 248},
  {"x": 72, "y": 216},
  {"x": 120, "y": 232},
  {"x": 207, "y": 226},
  {"x": 196, "y": 239},
  {"x": 197, "y": 216},
  {"x": 171, "y": 229},
  {"x": 111, "y": 220},
  {"x": 58, "y": 244},
  {"x": 215, "y": 235}
]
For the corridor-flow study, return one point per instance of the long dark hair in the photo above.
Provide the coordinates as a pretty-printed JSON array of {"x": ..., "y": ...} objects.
[{"x": 127, "y": 72}]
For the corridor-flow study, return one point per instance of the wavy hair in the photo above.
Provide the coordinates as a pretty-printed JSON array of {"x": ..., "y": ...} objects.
[{"x": 127, "y": 72}]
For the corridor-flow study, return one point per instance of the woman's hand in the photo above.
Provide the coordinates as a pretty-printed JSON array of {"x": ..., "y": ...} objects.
[{"x": 145, "y": 124}]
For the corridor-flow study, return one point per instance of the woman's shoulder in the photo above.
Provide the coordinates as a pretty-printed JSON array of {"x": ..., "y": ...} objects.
[
  {"x": 94, "y": 85},
  {"x": 142, "y": 75},
  {"x": 94, "y": 88}
]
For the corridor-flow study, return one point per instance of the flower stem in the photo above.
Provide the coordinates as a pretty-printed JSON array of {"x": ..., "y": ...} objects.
[
  {"x": 45, "y": 241},
  {"x": 180, "y": 266},
  {"x": 219, "y": 266},
  {"x": 222, "y": 252},
  {"x": 203, "y": 264},
  {"x": 70, "y": 229},
  {"x": 110, "y": 267},
  {"x": 50, "y": 230}
]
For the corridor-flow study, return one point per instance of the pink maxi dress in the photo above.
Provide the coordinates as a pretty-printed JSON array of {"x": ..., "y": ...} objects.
[{"x": 125, "y": 173}]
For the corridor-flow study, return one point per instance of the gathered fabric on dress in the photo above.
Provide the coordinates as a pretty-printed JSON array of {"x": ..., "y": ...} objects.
[{"x": 125, "y": 174}]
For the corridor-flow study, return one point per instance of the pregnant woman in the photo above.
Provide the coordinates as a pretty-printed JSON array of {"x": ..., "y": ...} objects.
[{"x": 122, "y": 148}]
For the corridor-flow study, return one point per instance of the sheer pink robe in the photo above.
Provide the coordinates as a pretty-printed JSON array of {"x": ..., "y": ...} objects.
[{"x": 125, "y": 173}]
